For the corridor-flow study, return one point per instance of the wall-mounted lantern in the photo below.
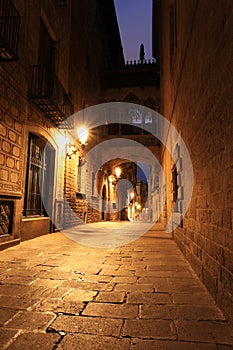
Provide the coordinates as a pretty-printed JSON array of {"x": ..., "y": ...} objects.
[{"x": 82, "y": 142}]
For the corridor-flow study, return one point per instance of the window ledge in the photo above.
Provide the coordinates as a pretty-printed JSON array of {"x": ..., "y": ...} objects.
[{"x": 31, "y": 218}]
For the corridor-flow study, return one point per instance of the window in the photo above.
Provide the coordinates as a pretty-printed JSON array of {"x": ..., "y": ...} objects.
[
  {"x": 9, "y": 31},
  {"x": 36, "y": 184},
  {"x": 46, "y": 47},
  {"x": 174, "y": 184},
  {"x": 134, "y": 119},
  {"x": 135, "y": 116},
  {"x": 62, "y": 2}
]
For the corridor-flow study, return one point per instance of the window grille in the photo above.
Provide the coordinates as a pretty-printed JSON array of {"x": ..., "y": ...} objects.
[
  {"x": 35, "y": 177},
  {"x": 9, "y": 31}
]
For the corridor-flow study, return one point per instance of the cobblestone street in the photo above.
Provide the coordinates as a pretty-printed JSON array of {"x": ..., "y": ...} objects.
[{"x": 58, "y": 294}]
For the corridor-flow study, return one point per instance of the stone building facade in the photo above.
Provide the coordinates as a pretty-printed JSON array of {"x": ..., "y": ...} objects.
[
  {"x": 47, "y": 73},
  {"x": 39, "y": 31},
  {"x": 60, "y": 58},
  {"x": 196, "y": 82}
]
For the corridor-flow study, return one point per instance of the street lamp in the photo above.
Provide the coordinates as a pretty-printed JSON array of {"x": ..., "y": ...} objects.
[
  {"x": 118, "y": 175},
  {"x": 82, "y": 139},
  {"x": 118, "y": 172},
  {"x": 82, "y": 135}
]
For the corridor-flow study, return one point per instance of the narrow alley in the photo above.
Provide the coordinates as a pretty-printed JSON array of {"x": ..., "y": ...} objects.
[{"x": 139, "y": 296}]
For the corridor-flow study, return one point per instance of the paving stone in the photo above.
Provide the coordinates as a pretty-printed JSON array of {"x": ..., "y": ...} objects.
[
  {"x": 58, "y": 292},
  {"x": 31, "y": 320},
  {"x": 134, "y": 287},
  {"x": 97, "y": 278},
  {"x": 90, "y": 342},
  {"x": 133, "y": 266},
  {"x": 22, "y": 303},
  {"x": 186, "y": 286},
  {"x": 80, "y": 295},
  {"x": 5, "y": 336},
  {"x": 124, "y": 272},
  {"x": 22, "y": 280},
  {"x": 149, "y": 298},
  {"x": 159, "y": 283},
  {"x": 170, "y": 345},
  {"x": 56, "y": 275},
  {"x": 204, "y": 331},
  {"x": 197, "y": 298},
  {"x": 110, "y": 297},
  {"x": 6, "y": 314},
  {"x": 16, "y": 271},
  {"x": 109, "y": 270},
  {"x": 160, "y": 329},
  {"x": 60, "y": 306},
  {"x": 88, "y": 285},
  {"x": 47, "y": 283},
  {"x": 29, "y": 341},
  {"x": 113, "y": 310},
  {"x": 88, "y": 325},
  {"x": 12, "y": 289},
  {"x": 183, "y": 312},
  {"x": 124, "y": 279},
  {"x": 21, "y": 291},
  {"x": 175, "y": 267},
  {"x": 171, "y": 274}
]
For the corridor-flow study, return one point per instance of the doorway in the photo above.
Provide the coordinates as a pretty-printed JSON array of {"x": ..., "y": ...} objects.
[{"x": 104, "y": 197}]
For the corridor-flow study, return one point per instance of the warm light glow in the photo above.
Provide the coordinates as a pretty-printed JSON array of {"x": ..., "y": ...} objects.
[
  {"x": 131, "y": 195},
  {"x": 118, "y": 172},
  {"x": 111, "y": 178},
  {"x": 82, "y": 134},
  {"x": 138, "y": 206}
]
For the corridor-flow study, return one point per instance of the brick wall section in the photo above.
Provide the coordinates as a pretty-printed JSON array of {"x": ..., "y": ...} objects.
[
  {"x": 197, "y": 98},
  {"x": 12, "y": 117}
]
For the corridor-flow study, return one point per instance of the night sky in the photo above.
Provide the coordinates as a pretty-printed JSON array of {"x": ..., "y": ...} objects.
[{"x": 135, "y": 22}]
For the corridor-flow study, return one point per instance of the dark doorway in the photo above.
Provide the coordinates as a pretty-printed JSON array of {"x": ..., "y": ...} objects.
[{"x": 104, "y": 197}]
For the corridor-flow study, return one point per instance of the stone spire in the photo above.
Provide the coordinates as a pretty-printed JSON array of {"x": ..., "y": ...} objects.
[{"x": 142, "y": 53}]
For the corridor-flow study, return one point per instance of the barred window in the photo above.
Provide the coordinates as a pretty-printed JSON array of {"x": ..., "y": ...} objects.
[{"x": 35, "y": 177}]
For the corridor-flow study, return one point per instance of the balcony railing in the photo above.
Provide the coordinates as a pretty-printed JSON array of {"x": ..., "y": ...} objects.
[
  {"x": 9, "y": 31},
  {"x": 48, "y": 94}
]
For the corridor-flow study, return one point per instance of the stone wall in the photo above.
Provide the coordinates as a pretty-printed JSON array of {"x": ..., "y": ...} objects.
[
  {"x": 18, "y": 115},
  {"x": 197, "y": 98}
]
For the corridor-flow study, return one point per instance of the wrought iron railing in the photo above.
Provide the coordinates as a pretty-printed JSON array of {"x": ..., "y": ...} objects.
[
  {"x": 49, "y": 95},
  {"x": 9, "y": 31}
]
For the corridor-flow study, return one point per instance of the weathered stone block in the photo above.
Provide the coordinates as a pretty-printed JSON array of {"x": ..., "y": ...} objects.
[
  {"x": 160, "y": 329},
  {"x": 12, "y": 136},
  {"x": 6, "y": 146},
  {"x": 4, "y": 175},
  {"x": 2, "y": 130},
  {"x": 18, "y": 127},
  {"x": 10, "y": 163},
  {"x": 16, "y": 151}
]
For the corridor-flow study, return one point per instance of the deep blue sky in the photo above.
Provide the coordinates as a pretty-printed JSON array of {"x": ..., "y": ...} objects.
[{"x": 135, "y": 22}]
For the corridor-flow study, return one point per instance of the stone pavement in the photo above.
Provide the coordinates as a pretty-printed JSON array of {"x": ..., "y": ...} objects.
[{"x": 59, "y": 294}]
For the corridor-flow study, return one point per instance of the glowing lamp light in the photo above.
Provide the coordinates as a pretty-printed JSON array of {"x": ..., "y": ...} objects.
[
  {"x": 131, "y": 195},
  {"x": 118, "y": 172},
  {"x": 82, "y": 135},
  {"x": 82, "y": 140}
]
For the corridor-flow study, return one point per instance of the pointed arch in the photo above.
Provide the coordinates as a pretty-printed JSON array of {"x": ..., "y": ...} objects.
[{"x": 132, "y": 98}]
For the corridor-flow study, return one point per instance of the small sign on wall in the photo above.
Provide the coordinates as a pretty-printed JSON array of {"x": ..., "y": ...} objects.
[{"x": 6, "y": 217}]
